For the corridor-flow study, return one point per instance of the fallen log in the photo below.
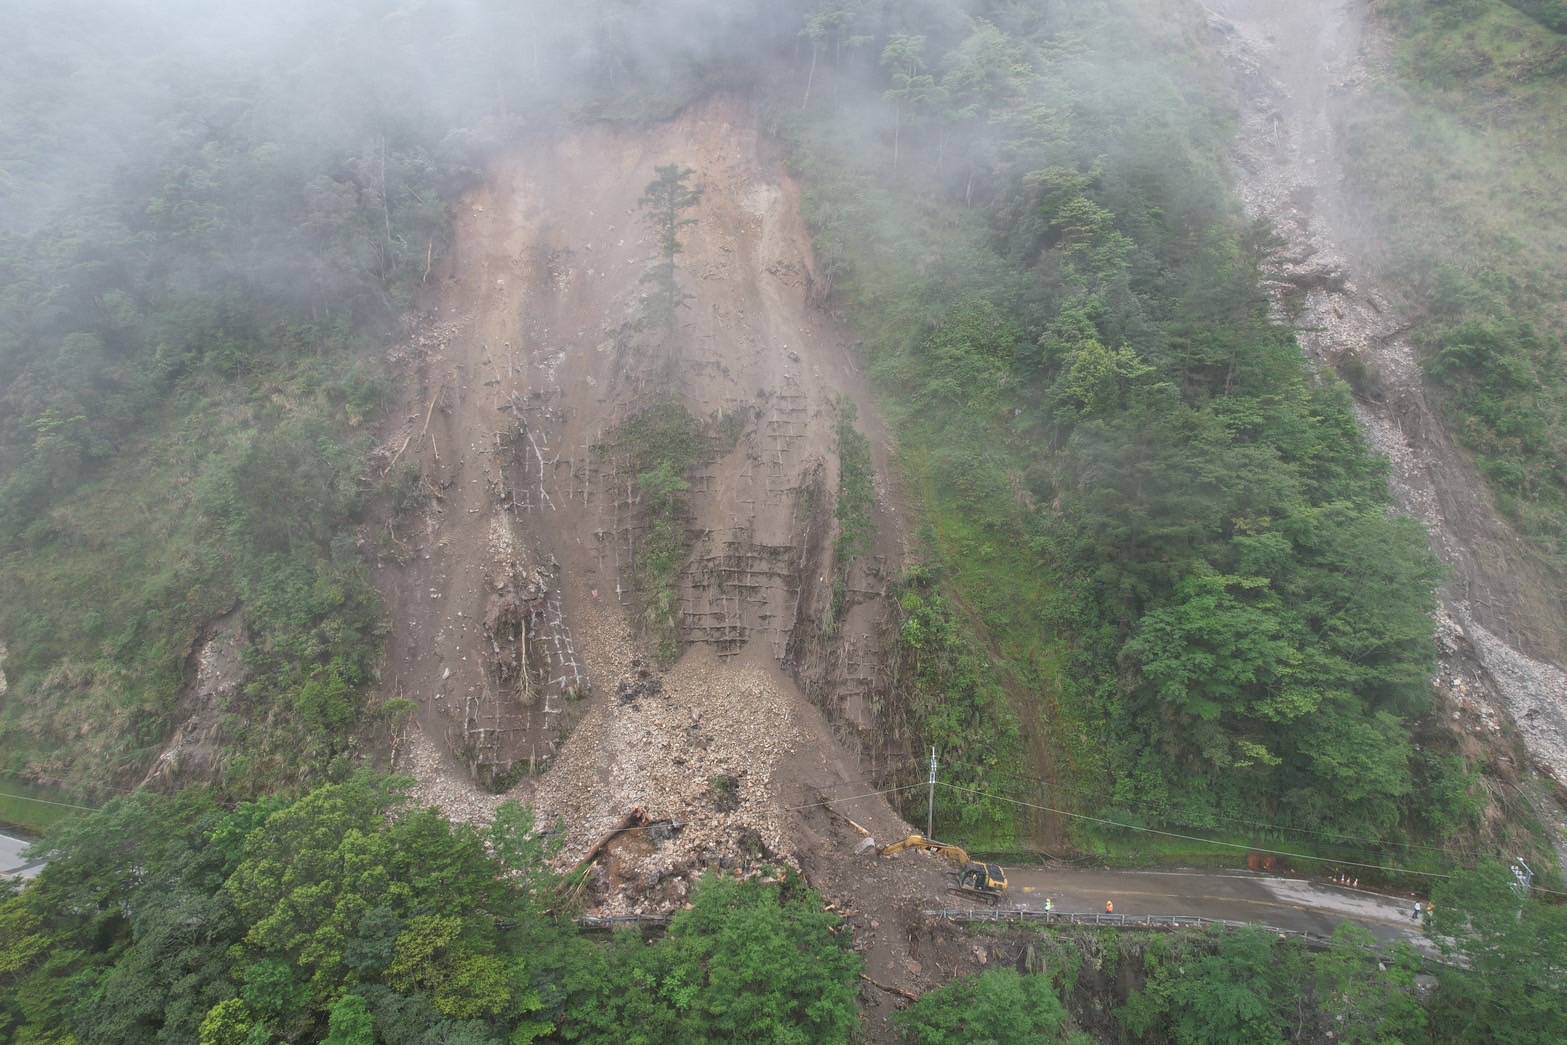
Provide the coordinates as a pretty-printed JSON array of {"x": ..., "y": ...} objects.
[
  {"x": 827, "y": 805},
  {"x": 427, "y": 415},
  {"x": 634, "y": 819},
  {"x": 899, "y": 991},
  {"x": 431, "y": 412}
]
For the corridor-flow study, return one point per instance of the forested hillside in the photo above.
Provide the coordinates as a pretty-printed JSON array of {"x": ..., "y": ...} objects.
[
  {"x": 1161, "y": 577},
  {"x": 1459, "y": 163},
  {"x": 1148, "y": 573},
  {"x": 1173, "y": 555}
]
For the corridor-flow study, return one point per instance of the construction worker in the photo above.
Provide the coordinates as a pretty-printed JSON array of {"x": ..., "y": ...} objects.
[
  {"x": 1050, "y": 905},
  {"x": 1109, "y": 907}
]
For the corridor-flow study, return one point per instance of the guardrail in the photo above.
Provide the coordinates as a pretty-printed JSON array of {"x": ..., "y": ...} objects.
[
  {"x": 1427, "y": 950},
  {"x": 611, "y": 923},
  {"x": 1114, "y": 921},
  {"x": 997, "y": 914},
  {"x": 624, "y": 921}
]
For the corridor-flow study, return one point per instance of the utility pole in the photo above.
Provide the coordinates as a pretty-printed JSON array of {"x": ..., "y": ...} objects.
[
  {"x": 930, "y": 807},
  {"x": 1523, "y": 874}
]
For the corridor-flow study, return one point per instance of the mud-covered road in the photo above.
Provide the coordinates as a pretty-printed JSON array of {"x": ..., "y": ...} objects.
[{"x": 1284, "y": 903}]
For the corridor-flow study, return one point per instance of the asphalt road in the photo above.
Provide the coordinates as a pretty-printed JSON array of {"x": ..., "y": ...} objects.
[
  {"x": 11, "y": 862},
  {"x": 1285, "y": 903}
]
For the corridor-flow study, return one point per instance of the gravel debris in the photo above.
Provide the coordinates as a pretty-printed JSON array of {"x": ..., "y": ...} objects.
[
  {"x": 435, "y": 784},
  {"x": 709, "y": 718},
  {"x": 646, "y": 684}
]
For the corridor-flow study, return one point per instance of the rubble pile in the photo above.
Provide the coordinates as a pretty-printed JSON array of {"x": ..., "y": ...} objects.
[
  {"x": 699, "y": 748},
  {"x": 645, "y": 684}
]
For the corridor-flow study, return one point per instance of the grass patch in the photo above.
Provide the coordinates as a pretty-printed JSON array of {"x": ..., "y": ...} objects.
[
  {"x": 852, "y": 509},
  {"x": 229, "y": 494},
  {"x": 32, "y": 809}
]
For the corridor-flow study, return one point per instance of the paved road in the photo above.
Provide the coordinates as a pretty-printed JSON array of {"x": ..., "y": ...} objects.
[
  {"x": 1286, "y": 903},
  {"x": 11, "y": 862}
]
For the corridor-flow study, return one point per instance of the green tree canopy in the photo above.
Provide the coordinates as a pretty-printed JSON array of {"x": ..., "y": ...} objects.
[{"x": 999, "y": 1007}]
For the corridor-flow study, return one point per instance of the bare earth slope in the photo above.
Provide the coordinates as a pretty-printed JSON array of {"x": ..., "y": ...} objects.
[
  {"x": 513, "y": 593},
  {"x": 1503, "y": 621},
  {"x": 528, "y": 370}
]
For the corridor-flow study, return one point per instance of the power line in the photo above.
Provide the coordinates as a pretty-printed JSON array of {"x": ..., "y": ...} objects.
[
  {"x": 890, "y": 769},
  {"x": 1271, "y": 826},
  {"x": 49, "y": 802},
  {"x": 1212, "y": 841},
  {"x": 1336, "y": 836},
  {"x": 808, "y": 805},
  {"x": 660, "y": 824},
  {"x": 1016, "y": 802},
  {"x": 851, "y": 798},
  {"x": 1183, "y": 837}
]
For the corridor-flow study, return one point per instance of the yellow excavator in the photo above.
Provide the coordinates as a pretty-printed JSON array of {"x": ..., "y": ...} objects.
[{"x": 973, "y": 879}]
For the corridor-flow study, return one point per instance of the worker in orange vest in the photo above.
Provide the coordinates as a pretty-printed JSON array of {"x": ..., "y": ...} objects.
[{"x": 1109, "y": 907}]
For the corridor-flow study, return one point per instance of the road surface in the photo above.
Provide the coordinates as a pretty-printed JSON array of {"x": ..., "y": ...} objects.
[
  {"x": 12, "y": 865},
  {"x": 1284, "y": 903},
  {"x": 1281, "y": 902}
]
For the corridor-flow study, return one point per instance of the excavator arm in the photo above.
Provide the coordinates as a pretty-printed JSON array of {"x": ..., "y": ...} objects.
[
  {"x": 973, "y": 879},
  {"x": 952, "y": 853}
]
